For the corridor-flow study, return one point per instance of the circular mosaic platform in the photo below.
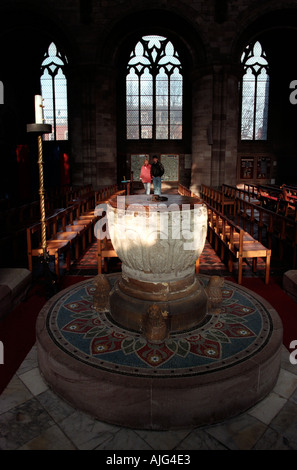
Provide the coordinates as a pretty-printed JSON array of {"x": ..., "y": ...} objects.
[{"x": 194, "y": 377}]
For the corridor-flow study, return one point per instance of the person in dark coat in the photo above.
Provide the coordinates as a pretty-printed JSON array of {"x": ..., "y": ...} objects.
[{"x": 157, "y": 171}]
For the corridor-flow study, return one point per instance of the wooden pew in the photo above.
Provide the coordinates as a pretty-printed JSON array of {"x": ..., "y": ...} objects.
[
  {"x": 83, "y": 227},
  {"x": 105, "y": 250},
  {"x": 233, "y": 192},
  {"x": 104, "y": 194},
  {"x": 54, "y": 247},
  {"x": 59, "y": 232},
  {"x": 217, "y": 199},
  {"x": 264, "y": 222},
  {"x": 241, "y": 245},
  {"x": 236, "y": 243},
  {"x": 183, "y": 191}
]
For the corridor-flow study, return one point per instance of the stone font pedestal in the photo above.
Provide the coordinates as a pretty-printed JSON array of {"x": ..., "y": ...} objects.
[{"x": 158, "y": 244}]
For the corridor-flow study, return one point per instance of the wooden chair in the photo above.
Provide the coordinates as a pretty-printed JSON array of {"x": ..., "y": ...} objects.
[
  {"x": 105, "y": 250},
  {"x": 236, "y": 242},
  {"x": 242, "y": 245},
  {"x": 54, "y": 248},
  {"x": 83, "y": 226},
  {"x": 59, "y": 232}
]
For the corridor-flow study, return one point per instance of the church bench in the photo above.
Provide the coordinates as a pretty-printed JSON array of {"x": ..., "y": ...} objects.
[
  {"x": 280, "y": 200},
  {"x": 183, "y": 191},
  {"x": 82, "y": 215},
  {"x": 54, "y": 247},
  {"x": 234, "y": 192},
  {"x": 217, "y": 199},
  {"x": 72, "y": 224},
  {"x": 229, "y": 191},
  {"x": 15, "y": 220},
  {"x": 66, "y": 226},
  {"x": 288, "y": 204},
  {"x": 56, "y": 226},
  {"x": 81, "y": 192},
  {"x": 14, "y": 223},
  {"x": 105, "y": 250},
  {"x": 105, "y": 247},
  {"x": 104, "y": 194},
  {"x": 276, "y": 226},
  {"x": 242, "y": 246},
  {"x": 248, "y": 213},
  {"x": 236, "y": 242}
]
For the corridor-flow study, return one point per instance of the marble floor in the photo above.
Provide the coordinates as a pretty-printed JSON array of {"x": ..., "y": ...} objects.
[{"x": 32, "y": 417}]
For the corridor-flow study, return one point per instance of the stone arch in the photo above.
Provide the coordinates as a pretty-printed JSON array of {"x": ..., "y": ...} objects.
[
  {"x": 276, "y": 29},
  {"x": 113, "y": 53},
  {"x": 259, "y": 22},
  {"x": 123, "y": 34}
]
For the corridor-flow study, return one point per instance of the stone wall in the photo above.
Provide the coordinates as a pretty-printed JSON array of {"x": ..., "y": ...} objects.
[{"x": 96, "y": 36}]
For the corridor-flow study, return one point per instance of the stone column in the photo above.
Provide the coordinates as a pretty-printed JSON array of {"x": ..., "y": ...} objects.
[
  {"x": 232, "y": 128},
  {"x": 215, "y": 126},
  {"x": 225, "y": 122},
  {"x": 81, "y": 91},
  {"x": 202, "y": 97},
  {"x": 106, "y": 132},
  {"x": 94, "y": 133}
]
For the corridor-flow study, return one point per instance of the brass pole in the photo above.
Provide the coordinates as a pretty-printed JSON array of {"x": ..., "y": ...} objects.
[
  {"x": 49, "y": 278},
  {"x": 42, "y": 199}
]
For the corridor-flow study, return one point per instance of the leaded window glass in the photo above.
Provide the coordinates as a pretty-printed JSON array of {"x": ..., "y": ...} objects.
[
  {"x": 154, "y": 90},
  {"x": 54, "y": 93},
  {"x": 255, "y": 93}
]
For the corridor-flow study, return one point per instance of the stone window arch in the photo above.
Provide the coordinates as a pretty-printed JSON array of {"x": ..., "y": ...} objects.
[
  {"x": 54, "y": 92},
  {"x": 254, "y": 93},
  {"x": 154, "y": 91}
]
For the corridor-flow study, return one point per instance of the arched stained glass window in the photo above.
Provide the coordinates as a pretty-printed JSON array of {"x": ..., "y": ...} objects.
[
  {"x": 255, "y": 93},
  {"x": 154, "y": 90},
  {"x": 54, "y": 93}
]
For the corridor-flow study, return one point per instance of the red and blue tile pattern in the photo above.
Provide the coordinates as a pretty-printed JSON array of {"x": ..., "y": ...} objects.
[{"x": 237, "y": 333}]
